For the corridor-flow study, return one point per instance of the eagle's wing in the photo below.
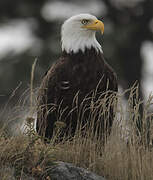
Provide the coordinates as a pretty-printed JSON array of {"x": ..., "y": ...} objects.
[
  {"x": 111, "y": 76},
  {"x": 109, "y": 88},
  {"x": 54, "y": 83}
]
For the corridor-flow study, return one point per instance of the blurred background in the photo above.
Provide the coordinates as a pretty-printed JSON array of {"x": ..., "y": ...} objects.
[{"x": 30, "y": 29}]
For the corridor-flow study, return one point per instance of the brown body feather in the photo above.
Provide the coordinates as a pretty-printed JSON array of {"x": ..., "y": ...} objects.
[{"x": 73, "y": 74}]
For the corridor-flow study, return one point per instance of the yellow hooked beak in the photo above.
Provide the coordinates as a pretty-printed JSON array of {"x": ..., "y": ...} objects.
[{"x": 95, "y": 25}]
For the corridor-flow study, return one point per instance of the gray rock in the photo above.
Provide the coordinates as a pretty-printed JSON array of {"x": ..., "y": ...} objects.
[
  {"x": 67, "y": 171},
  {"x": 59, "y": 171}
]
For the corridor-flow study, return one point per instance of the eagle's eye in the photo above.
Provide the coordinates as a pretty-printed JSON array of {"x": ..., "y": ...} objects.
[{"x": 85, "y": 21}]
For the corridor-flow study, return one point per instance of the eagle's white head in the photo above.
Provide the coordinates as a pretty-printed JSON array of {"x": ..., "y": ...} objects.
[{"x": 78, "y": 33}]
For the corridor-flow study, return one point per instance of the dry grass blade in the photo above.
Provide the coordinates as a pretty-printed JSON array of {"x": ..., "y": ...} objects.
[{"x": 125, "y": 156}]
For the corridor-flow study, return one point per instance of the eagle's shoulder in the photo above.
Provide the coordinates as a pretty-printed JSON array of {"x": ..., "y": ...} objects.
[
  {"x": 56, "y": 67},
  {"x": 56, "y": 74}
]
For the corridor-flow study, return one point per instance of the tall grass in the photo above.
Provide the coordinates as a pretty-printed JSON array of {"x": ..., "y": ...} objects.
[{"x": 126, "y": 155}]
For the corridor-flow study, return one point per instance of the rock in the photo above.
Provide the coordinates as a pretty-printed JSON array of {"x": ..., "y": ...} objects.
[
  {"x": 59, "y": 171},
  {"x": 67, "y": 171}
]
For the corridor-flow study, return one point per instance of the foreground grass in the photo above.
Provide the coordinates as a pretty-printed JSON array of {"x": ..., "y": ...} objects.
[{"x": 126, "y": 155}]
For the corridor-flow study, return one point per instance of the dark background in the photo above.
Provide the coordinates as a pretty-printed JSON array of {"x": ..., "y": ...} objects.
[{"x": 30, "y": 29}]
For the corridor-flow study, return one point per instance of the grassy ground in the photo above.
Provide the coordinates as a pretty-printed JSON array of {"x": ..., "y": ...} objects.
[{"x": 126, "y": 155}]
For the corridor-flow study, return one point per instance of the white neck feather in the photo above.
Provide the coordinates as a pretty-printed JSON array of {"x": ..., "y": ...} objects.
[{"x": 74, "y": 40}]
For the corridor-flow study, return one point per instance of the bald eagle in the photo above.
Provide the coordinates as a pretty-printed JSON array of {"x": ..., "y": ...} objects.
[{"x": 77, "y": 75}]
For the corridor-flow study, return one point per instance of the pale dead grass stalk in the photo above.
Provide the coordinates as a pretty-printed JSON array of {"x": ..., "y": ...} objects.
[{"x": 31, "y": 87}]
